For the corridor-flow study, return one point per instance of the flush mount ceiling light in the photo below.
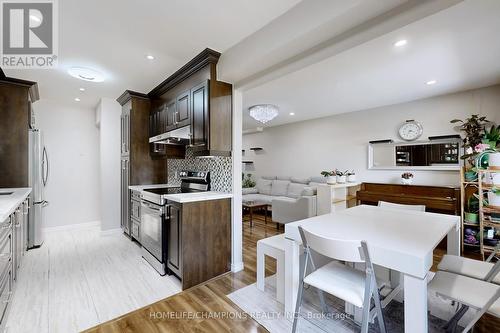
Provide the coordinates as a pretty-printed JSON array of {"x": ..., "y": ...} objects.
[
  {"x": 292, "y": 113},
  {"x": 86, "y": 74},
  {"x": 263, "y": 112},
  {"x": 150, "y": 57},
  {"x": 401, "y": 43},
  {"x": 431, "y": 82},
  {"x": 77, "y": 99},
  {"x": 82, "y": 89}
]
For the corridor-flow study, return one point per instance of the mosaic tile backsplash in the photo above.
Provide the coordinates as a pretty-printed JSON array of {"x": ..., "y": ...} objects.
[{"x": 221, "y": 170}]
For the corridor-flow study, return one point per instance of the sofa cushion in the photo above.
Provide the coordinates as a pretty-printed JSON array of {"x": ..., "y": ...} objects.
[
  {"x": 283, "y": 178},
  {"x": 264, "y": 186},
  {"x": 269, "y": 177},
  {"x": 268, "y": 199},
  {"x": 308, "y": 191},
  {"x": 250, "y": 190},
  {"x": 295, "y": 190},
  {"x": 300, "y": 180},
  {"x": 280, "y": 187},
  {"x": 287, "y": 199}
]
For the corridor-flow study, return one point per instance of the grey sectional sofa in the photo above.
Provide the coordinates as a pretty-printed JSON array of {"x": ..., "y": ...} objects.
[{"x": 292, "y": 199}]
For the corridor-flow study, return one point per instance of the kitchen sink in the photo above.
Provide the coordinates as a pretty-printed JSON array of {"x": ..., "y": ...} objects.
[{"x": 6, "y": 193}]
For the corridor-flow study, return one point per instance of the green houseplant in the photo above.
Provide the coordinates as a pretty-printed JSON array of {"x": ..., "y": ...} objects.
[
  {"x": 492, "y": 136},
  {"x": 341, "y": 176},
  {"x": 473, "y": 128},
  {"x": 247, "y": 181},
  {"x": 330, "y": 176},
  {"x": 471, "y": 215}
]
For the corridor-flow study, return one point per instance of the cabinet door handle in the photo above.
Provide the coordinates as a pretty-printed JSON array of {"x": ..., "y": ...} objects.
[{"x": 176, "y": 114}]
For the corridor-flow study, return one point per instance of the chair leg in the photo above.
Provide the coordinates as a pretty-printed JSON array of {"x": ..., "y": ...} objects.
[
  {"x": 378, "y": 307},
  {"x": 261, "y": 269},
  {"x": 366, "y": 306},
  {"x": 452, "y": 324},
  {"x": 297, "y": 307},
  {"x": 321, "y": 295}
]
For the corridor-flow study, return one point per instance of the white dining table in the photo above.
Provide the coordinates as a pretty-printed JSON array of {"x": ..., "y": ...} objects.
[{"x": 402, "y": 241}]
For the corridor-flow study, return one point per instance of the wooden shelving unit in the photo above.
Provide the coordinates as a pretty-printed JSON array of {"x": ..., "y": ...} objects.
[
  {"x": 469, "y": 188},
  {"x": 336, "y": 197}
]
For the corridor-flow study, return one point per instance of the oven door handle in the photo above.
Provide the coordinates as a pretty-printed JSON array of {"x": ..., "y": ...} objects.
[{"x": 159, "y": 211}]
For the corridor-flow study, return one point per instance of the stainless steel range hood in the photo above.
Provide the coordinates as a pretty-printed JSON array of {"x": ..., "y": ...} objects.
[{"x": 179, "y": 136}]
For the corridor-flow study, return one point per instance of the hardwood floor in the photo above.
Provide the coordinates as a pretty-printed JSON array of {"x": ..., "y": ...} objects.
[{"x": 168, "y": 315}]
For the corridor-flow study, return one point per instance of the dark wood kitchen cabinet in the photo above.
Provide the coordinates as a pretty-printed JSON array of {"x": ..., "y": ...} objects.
[
  {"x": 137, "y": 166},
  {"x": 16, "y": 97},
  {"x": 199, "y": 237},
  {"x": 199, "y": 115},
  {"x": 183, "y": 109}
]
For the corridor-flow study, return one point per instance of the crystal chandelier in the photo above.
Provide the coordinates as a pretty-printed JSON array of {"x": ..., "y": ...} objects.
[{"x": 263, "y": 112}]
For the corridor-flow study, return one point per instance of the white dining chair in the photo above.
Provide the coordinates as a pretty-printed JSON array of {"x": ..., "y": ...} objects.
[
  {"x": 385, "y": 204},
  {"x": 469, "y": 267},
  {"x": 481, "y": 296},
  {"x": 349, "y": 284}
]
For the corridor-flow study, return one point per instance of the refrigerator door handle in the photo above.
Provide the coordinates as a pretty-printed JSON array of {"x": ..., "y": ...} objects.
[{"x": 45, "y": 167}]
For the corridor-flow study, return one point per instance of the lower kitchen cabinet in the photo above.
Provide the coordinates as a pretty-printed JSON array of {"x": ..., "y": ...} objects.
[
  {"x": 199, "y": 240},
  {"x": 135, "y": 215}
]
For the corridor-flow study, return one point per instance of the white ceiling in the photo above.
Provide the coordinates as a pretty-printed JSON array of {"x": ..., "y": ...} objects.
[
  {"x": 457, "y": 47},
  {"x": 113, "y": 36}
]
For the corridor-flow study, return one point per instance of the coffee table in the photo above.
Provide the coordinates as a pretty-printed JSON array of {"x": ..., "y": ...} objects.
[{"x": 251, "y": 205}]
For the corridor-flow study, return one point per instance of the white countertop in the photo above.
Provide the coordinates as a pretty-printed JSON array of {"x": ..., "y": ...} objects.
[
  {"x": 197, "y": 196},
  {"x": 9, "y": 203},
  {"x": 142, "y": 187}
]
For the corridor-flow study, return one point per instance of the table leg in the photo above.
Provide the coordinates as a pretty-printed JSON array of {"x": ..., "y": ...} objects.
[
  {"x": 251, "y": 216},
  {"x": 292, "y": 275},
  {"x": 265, "y": 216},
  {"x": 415, "y": 305},
  {"x": 453, "y": 241}
]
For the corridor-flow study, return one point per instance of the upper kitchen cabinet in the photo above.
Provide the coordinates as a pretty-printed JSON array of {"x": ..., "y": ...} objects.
[
  {"x": 16, "y": 98},
  {"x": 198, "y": 110}
]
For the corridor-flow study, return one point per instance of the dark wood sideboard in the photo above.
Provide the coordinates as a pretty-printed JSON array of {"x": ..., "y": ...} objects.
[{"x": 437, "y": 199}]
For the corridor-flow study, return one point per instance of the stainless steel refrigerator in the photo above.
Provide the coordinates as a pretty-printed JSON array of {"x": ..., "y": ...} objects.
[{"x": 38, "y": 177}]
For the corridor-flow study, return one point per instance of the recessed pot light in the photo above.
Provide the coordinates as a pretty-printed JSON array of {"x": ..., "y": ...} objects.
[
  {"x": 400, "y": 43},
  {"x": 150, "y": 57},
  {"x": 86, "y": 74},
  {"x": 77, "y": 99},
  {"x": 292, "y": 113},
  {"x": 431, "y": 82},
  {"x": 82, "y": 89}
]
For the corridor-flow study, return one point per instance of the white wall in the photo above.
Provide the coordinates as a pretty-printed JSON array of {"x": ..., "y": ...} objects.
[
  {"x": 72, "y": 142},
  {"x": 108, "y": 113},
  {"x": 306, "y": 148}
]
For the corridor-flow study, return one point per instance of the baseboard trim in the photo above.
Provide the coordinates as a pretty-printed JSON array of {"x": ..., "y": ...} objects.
[
  {"x": 77, "y": 226},
  {"x": 111, "y": 232},
  {"x": 237, "y": 267}
]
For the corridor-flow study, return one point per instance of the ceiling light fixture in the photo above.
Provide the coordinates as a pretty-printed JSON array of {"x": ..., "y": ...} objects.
[
  {"x": 401, "y": 43},
  {"x": 77, "y": 99},
  {"x": 431, "y": 82},
  {"x": 82, "y": 89},
  {"x": 292, "y": 113},
  {"x": 263, "y": 112},
  {"x": 150, "y": 57},
  {"x": 86, "y": 74}
]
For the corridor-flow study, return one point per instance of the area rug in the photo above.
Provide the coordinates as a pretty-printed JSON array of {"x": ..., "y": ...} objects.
[{"x": 263, "y": 307}]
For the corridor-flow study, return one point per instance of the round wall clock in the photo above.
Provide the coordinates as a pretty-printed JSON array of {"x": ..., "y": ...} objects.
[{"x": 410, "y": 130}]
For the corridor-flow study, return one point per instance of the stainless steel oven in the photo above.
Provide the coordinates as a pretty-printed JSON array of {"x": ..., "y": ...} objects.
[{"x": 154, "y": 220}]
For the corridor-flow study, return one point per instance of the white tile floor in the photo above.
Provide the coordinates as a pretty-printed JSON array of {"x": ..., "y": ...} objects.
[{"x": 79, "y": 279}]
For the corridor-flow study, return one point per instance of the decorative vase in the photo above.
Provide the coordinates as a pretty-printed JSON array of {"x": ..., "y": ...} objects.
[
  {"x": 332, "y": 180},
  {"x": 470, "y": 176},
  {"x": 406, "y": 181},
  {"x": 494, "y": 161},
  {"x": 341, "y": 179},
  {"x": 471, "y": 217},
  {"x": 493, "y": 199},
  {"x": 351, "y": 178}
]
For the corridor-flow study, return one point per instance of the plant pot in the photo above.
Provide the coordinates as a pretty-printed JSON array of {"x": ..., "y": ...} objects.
[
  {"x": 341, "y": 179},
  {"x": 470, "y": 176},
  {"x": 351, "y": 178},
  {"x": 493, "y": 199},
  {"x": 331, "y": 180},
  {"x": 494, "y": 161},
  {"x": 406, "y": 181},
  {"x": 471, "y": 217},
  {"x": 495, "y": 179}
]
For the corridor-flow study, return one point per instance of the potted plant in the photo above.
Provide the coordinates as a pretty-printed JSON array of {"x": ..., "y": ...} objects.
[
  {"x": 247, "y": 181},
  {"x": 494, "y": 197},
  {"x": 330, "y": 177},
  {"x": 341, "y": 176},
  {"x": 407, "y": 178},
  {"x": 351, "y": 177},
  {"x": 492, "y": 136},
  {"x": 473, "y": 128},
  {"x": 472, "y": 213}
]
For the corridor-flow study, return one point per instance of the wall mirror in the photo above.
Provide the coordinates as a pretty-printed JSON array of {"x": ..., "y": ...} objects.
[{"x": 422, "y": 155}]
